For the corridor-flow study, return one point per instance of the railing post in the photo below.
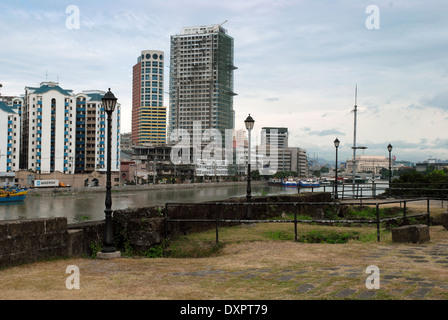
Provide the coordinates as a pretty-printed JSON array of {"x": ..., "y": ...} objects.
[
  {"x": 360, "y": 199},
  {"x": 166, "y": 221},
  {"x": 295, "y": 221},
  {"x": 404, "y": 211},
  {"x": 216, "y": 226},
  {"x": 377, "y": 222}
]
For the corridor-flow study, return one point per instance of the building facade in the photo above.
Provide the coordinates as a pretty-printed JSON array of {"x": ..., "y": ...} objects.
[
  {"x": 368, "y": 164},
  {"x": 66, "y": 132},
  {"x": 201, "y": 79},
  {"x": 278, "y": 136},
  {"x": 9, "y": 136},
  {"x": 148, "y": 110}
]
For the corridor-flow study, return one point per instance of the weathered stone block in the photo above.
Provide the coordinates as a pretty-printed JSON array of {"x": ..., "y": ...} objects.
[
  {"x": 18, "y": 228},
  {"x": 3, "y": 230},
  {"x": 318, "y": 214},
  {"x": 145, "y": 233},
  {"x": 414, "y": 233},
  {"x": 75, "y": 243},
  {"x": 58, "y": 225},
  {"x": 444, "y": 220}
]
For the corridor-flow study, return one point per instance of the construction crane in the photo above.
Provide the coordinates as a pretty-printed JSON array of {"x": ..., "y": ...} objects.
[{"x": 219, "y": 25}]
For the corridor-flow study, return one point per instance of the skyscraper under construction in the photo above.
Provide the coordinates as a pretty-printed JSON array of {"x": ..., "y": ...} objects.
[{"x": 201, "y": 79}]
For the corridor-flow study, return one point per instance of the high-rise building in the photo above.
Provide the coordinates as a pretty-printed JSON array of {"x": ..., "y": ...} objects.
[
  {"x": 201, "y": 79},
  {"x": 91, "y": 133},
  {"x": 277, "y": 136},
  {"x": 148, "y": 110},
  {"x": 66, "y": 132},
  {"x": 9, "y": 138}
]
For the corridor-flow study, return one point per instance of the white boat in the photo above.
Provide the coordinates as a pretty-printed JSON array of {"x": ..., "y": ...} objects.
[
  {"x": 309, "y": 183},
  {"x": 290, "y": 183}
]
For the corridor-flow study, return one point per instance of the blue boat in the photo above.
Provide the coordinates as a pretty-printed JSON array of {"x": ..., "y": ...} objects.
[
  {"x": 290, "y": 183},
  {"x": 309, "y": 183},
  {"x": 12, "y": 194}
]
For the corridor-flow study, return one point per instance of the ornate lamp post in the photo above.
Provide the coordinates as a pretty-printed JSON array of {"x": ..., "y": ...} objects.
[
  {"x": 249, "y": 122},
  {"x": 109, "y": 102},
  {"x": 389, "y": 148},
  {"x": 336, "y": 145}
]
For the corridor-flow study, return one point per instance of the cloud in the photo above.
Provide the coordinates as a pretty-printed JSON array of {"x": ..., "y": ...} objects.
[
  {"x": 321, "y": 133},
  {"x": 272, "y": 99},
  {"x": 304, "y": 57},
  {"x": 439, "y": 101}
]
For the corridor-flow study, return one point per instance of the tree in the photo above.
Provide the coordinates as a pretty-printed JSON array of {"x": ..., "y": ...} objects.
[{"x": 324, "y": 169}]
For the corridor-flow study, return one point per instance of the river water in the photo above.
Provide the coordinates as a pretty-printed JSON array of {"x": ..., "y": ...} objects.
[{"x": 90, "y": 206}]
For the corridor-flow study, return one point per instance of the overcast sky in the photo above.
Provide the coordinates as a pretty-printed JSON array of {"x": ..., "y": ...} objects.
[{"x": 298, "y": 63}]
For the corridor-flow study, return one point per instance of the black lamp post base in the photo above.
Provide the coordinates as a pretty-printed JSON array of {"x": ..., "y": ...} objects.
[{"x": 108, "y": 255}]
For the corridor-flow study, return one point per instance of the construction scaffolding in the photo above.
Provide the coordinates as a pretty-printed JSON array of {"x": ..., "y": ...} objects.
[{"x": 201, "y": 79}]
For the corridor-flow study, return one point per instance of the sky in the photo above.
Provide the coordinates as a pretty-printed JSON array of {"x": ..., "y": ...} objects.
[{"x": 298, "y": 61}]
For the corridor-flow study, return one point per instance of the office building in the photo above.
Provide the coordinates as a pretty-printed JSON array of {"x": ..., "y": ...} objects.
[
  {"x": 148, "y": 110},
  {"x": 277, "y": 136},
  {"x": 201, "y": 79}
]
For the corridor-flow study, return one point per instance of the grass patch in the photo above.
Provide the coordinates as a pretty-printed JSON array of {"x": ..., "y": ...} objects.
[
  {"x": 200, "y": 245},
  {"x": 279, "y": 235},
  {"x": 192, "y": 248},
  {"x": 325, "y": 236}
]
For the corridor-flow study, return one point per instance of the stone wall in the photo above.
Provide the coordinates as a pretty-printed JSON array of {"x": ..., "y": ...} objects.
[
  {"x": 143, "y": 228},
  {"x": 23, "y": 241}
]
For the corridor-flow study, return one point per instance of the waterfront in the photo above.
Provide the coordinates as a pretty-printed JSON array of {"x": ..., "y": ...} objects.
[{"x": 89, "y": 206}]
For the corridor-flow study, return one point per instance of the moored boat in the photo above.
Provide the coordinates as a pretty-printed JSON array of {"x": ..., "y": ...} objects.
[
  {"x": 309, "y": 183},
  {"x": 12, "y": 194},
  {"x": 290, "y": 183},
  {"x": 275, "y": 182}
]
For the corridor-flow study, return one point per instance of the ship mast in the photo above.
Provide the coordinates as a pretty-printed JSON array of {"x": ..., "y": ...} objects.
[{"x": 354, "y": 134}]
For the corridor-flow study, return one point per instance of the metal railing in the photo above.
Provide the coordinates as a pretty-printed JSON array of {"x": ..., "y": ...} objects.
[
  {"x": 217, "y": 220},
  {"x": 376, "y": 190}
]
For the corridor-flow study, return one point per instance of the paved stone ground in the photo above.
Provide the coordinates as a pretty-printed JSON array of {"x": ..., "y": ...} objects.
[{"x": 348, "y": 282}]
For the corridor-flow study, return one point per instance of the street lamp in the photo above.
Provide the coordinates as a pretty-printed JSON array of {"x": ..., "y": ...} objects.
[
  {"x": 109, "y": 102},
  {"x": 249, "y": 122},
  {"x": 336, "y": 145},
  {"x": 389, "y": 148}
]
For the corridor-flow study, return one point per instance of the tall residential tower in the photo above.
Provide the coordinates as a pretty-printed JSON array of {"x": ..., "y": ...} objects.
[
  {"x": 201, "y": 79},
  {"x": 66, "y": 132},
  {"x": 148, "y": 110}
]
